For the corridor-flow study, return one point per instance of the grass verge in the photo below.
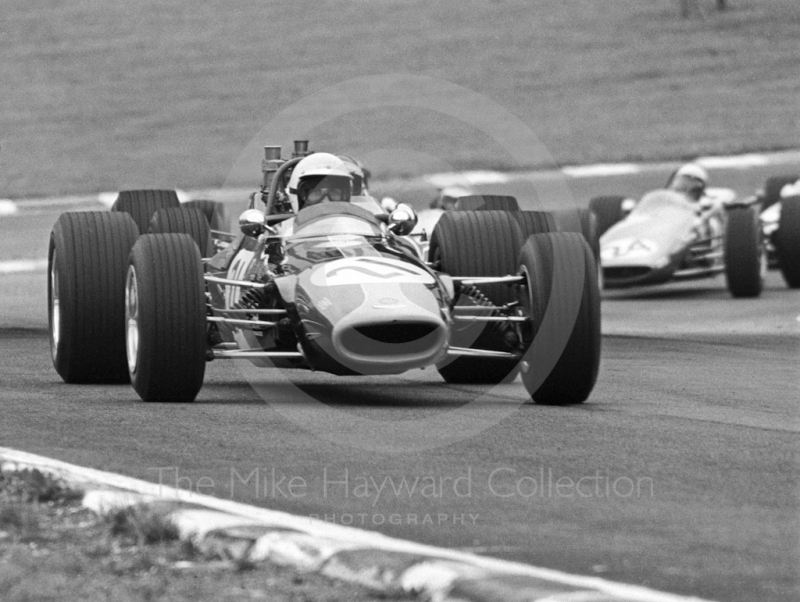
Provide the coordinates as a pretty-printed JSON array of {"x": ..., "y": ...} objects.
[{"x": 51, "y": 548}]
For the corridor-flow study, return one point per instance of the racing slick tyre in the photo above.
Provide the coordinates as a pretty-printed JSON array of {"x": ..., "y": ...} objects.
[
  {"x": 787, "y": 241},
  {"x": 773, "y": 187},
  {"x": 214, "y": 211},
  {"x": 608, "y": 210},
  {"x": 486, "y": 202},
  {"x": 142, "y": 204},
  {"x": 478, "y": 243},
  {"x": 165, "y": 318},
  {"x": 561, "y": 297},
  {"x": 535, "y": 222},
  {"x": 87, "y": 259},
  {"x": 583, "y": 221},
  {"x": 745, "y": 259},
  {"x": 184, "y": 220}
]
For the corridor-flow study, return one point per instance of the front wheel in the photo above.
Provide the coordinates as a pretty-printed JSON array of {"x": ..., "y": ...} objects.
[
  {"x": 562, "y": 301},
  {"x": 165, "y": 318},
  {"x": 87, "y": 258},
  {"x": 745, "y": 259}
]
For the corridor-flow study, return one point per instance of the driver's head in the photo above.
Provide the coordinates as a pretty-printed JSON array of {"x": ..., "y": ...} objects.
[
  {"x": 319, "y": 178},
  {"x": 690, "y": 179},
  {"x": 448, "y": 196}
]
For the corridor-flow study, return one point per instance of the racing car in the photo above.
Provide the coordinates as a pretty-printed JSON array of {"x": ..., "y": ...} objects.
[
  {"x": 149, "y": 293},
  {"x": 666, "y": 237}
]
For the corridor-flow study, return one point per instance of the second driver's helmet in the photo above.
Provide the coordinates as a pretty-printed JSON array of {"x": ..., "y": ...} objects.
[
  {"x": 317, "y": 178},
  {"x": 690, "y": 179}
]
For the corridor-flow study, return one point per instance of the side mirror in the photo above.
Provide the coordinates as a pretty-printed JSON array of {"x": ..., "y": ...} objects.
[
  {"x": 253, "y": 223},
  {"x": 402, "y": 220}
]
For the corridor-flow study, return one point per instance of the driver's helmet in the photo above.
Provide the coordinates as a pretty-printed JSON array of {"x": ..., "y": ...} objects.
[
  {"x": 318, "y": 178},
  {"x": 359, "y": 173},
  {"x": 690, "y": 179},
  {"x": 448, "y": 196}
]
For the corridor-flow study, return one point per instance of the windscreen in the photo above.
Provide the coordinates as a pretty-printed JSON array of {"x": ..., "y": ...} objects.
[
  {"x": 662, "y": 199},
  {"x": 336, "y": 224}
]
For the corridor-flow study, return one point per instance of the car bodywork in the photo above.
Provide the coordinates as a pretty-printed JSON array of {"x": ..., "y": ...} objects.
[{"x": 354, "y": 300}]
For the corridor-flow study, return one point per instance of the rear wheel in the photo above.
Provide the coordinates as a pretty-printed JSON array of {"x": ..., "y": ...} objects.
[
  {"x": 479, "y": 243},
  {"x": 87, "y": 259},
  {"x": 773, "y": 187},
  {"x": 608, "y": 210},
  {"x": 583, "y": 221},
  {"x": 183, "y": 220},
  {"x": 561, "y": 297},
  {"x": 215, "y": 213},
  {"x": 787, "y": 241},
  {"x": 142, "y": 204},
  {"x": 535, "y": 222},
  {"x": 745, "y": 259},
  {"x": 487, "y": 202},
  {"x": 165, "y": 318}
]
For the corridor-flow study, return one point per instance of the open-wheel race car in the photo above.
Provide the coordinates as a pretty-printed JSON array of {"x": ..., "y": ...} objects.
[
  {"x": 666, "y": 236},
  {"x": 149, "y": 292}
]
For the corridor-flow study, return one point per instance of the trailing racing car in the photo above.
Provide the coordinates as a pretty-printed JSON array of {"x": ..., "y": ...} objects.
[
  {"x": 667, "y": 236},
  {"x": 149, "y": 293}
]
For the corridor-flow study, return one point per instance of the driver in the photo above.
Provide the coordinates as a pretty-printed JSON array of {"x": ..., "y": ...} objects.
[
  {"x": 691, "y": 180},
  {"x": 320, "y": 178}
]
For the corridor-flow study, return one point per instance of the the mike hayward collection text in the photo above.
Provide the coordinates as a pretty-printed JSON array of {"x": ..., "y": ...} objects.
[{"x": 331, "y": 483}]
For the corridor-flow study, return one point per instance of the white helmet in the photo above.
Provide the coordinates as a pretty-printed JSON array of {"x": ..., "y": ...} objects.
[
  {"x": 311, "y": 170},
  {"x": 448, "y": 195},
  {"x": 693, "y": 170},
  {"x": 691, "y": 179},
  {"x": 359, "y": 173}
]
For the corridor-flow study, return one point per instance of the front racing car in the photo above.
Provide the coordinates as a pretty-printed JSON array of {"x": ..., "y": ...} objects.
[{"x": 338, "y": 287}]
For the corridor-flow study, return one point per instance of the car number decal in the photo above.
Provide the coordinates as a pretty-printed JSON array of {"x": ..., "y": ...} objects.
[
  {"x": 368, "y": 270},
  {"x": 630, "y": 248}
]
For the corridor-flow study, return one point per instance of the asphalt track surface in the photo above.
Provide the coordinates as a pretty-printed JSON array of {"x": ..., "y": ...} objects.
[{"x": 679, "y": 473}]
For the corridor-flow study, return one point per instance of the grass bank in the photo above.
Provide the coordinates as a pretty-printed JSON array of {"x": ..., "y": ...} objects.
[{"x": 110, "y": 95}]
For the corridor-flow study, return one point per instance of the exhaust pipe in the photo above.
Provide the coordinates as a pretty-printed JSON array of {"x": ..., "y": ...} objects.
[
  {"x": 270, "y": 164},
  {"x": 300, "y": 148}
]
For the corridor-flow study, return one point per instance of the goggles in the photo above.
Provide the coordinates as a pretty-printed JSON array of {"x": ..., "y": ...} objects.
[{"x": 315, "y": 195}]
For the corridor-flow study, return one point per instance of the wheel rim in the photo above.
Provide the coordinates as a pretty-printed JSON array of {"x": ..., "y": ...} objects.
[
  {"x": 55, "y": 308},
  {"x": 132, "y": 320}
]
